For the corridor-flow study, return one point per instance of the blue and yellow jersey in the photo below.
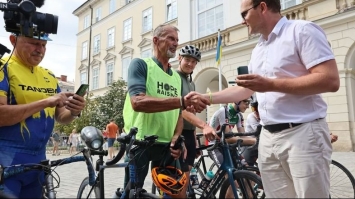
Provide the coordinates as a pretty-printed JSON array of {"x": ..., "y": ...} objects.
[{"x": 23, "y": 85}]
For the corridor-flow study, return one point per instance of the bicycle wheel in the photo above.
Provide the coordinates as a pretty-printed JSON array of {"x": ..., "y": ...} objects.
[
  {"x": 85, "y": 188},
  {"x": 248, "y": 185},
  {"x": 342, "y": 182}
]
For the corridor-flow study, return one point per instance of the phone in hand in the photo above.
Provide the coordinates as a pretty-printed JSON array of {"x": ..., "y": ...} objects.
[
  {"x": 82, "y": 89},
  {"x": 243, "y": 70}
]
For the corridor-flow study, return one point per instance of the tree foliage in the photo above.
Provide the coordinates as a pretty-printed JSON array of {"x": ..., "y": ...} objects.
[{"x": 100, "y": 109}]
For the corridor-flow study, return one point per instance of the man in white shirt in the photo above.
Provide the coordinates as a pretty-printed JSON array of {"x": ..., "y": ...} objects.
[
  {"x": 290, "y": 67},
  {"x": 253, "y": 119}
]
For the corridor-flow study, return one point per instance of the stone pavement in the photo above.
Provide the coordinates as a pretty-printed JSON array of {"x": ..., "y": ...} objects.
[{"x": 71, "y": 175}]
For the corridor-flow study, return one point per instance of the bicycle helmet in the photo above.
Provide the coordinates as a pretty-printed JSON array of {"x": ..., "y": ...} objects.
[
  {"x": 169, "y": 179},
  {"x": 191, "y": 51}
]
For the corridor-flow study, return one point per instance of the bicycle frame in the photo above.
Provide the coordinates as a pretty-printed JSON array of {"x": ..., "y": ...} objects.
[
  {"x": 202, "y": 158},
  {"x": 227, "y": 167},
  {"x": 45, "y": 166},
  {"x": 133, "y": 177},
  {"x": 100, "y": 168}
]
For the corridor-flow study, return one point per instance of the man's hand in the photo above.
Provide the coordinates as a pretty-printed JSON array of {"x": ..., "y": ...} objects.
[
  {"x": 176, "y": 153},
  {"x": 333, "y": 138},
  {"x": 75, "y": 104},
  {"x": 209, "y": 132},
  {"x": 254, "y": 82},
  {"x": 58, "y": 100},
  {"x": 198, "y": 101}
]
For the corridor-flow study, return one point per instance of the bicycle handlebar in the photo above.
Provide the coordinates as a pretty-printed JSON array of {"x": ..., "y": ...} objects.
[
  {"x": 130, "y": 139},
  {"x": 224, "y": 136}
]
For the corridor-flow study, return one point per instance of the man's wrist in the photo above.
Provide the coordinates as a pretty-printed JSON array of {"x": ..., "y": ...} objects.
[{"x": 182, "y": 103}]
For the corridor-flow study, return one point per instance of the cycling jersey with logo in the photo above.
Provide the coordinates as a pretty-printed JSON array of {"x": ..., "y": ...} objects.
[{"x": 23, "y": 85}]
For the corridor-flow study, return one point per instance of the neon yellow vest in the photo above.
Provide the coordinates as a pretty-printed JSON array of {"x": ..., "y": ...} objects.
[{"x": 158, "y": 84}]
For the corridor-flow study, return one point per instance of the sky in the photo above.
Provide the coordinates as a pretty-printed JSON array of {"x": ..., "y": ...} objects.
[{"x": 61, "y": 52}]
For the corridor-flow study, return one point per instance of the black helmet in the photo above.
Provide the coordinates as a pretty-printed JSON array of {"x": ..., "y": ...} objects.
[{"x": 191, "y": 51}]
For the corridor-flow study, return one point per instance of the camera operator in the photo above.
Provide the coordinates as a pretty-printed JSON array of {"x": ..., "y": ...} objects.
[{"x": 30, "y": 102}]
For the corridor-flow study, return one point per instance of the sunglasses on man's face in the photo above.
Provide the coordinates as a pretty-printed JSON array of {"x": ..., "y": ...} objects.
[{"x": 244, "y": 14}]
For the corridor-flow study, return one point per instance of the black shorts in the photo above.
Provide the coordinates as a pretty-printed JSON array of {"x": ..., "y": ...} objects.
[{"x": 190, "y": 144}]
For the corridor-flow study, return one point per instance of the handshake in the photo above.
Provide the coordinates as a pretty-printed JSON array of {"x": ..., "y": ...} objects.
[{"x": 196, "y": 102}]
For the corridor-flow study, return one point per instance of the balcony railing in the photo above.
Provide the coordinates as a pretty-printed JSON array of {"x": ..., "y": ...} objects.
[
  {"x": 343, "y": 5},
  {"x": 210, "y": 42},
  {"x": 299, "y": 11}
]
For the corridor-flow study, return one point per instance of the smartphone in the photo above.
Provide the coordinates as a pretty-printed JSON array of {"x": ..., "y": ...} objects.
[
  {"x": 82, "y": 89},
  {"x": 243, "y": 70}
]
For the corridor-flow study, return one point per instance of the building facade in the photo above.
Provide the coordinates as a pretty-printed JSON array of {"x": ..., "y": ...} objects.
[
  {"x": 65, "y": 85},
  {"x": 112, "y": 32}
]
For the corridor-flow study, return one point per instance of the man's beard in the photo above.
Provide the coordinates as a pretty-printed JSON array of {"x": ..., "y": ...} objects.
[{"x": 170, "y": 54}]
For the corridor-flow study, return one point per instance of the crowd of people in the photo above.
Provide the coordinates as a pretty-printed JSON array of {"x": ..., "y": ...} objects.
[{"x": 295, "y": 143}]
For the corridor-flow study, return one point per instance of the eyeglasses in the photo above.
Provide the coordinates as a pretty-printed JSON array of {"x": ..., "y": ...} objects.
[{"x": 244, "y": 14}]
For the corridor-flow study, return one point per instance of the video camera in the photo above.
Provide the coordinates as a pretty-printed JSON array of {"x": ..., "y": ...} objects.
[{"x": 21, "y": 18}]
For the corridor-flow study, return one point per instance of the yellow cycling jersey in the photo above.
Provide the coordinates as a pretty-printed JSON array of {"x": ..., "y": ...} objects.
[{"x": 23, "y": 85}]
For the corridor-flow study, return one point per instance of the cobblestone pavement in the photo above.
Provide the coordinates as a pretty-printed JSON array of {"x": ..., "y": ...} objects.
[{"x": 72, "y": 175}]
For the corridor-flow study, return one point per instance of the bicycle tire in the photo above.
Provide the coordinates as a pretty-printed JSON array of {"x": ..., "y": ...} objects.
[
  {"x": 340, "y": 184},
  {"x": 244, "y": 177},
  {"x": 85, "y": 186}
]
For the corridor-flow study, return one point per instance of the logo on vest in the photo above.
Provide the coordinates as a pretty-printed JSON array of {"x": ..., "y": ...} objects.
[{"x": 166, "y": 89}]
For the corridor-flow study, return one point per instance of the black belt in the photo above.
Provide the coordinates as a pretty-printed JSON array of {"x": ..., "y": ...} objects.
[{"x": 274, "y": 128}]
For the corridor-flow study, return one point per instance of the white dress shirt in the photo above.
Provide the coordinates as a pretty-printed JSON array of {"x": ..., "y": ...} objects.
[
  {"x": 293, "y": 47},
  {"x": 252, "y": 123}
]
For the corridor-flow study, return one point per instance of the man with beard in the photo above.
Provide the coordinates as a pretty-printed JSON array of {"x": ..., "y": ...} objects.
[{"x": 154, "y": 101}]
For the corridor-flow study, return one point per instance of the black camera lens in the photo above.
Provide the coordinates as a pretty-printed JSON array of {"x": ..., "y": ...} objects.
[{"x": 47, "y": 23}]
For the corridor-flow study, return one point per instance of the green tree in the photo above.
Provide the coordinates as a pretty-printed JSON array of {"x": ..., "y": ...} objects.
[
  {"x": 110, "y": 105},
  {"x": 100, "y": 109}
]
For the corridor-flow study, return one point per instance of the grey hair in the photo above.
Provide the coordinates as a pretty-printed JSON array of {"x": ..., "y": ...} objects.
[{"x": 160, "y": 30}]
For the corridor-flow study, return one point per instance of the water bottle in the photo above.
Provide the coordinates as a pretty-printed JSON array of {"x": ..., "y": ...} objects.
[
  {"x": 194, "y": 178},
  {"x": 206, "y": 180}
]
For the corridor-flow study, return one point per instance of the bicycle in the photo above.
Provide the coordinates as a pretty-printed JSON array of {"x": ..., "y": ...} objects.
[
  {"x": 97, "y": 188},
  {"x": 92, "y": 138},
  {"x": 249, "y": 183},
  {"x": 46, "y": 166}
]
